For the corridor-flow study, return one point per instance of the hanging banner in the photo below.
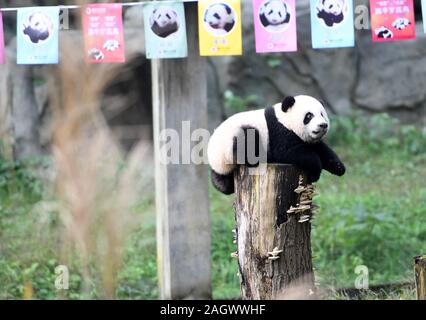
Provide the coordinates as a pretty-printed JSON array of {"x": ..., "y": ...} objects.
[
  {"x": 165, "y": 30},
  {"x": 220, "y": 27},
  {"x": 38, "y": 35},
  {"x": 332, "y": 23},
  {"x": 275, "y": 25},
  {"x": 2, "y": 52},
  {"x": 103, "y": 33},
  {"x": 424, "y": 14},
  {"x": 392, "y": 20}
]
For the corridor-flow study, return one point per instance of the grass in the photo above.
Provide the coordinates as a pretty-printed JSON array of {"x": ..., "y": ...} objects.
[{"x": 373, "y": 216}]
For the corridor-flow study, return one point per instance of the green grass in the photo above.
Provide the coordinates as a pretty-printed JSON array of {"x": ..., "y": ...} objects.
[{"x": 372, "y": 216}]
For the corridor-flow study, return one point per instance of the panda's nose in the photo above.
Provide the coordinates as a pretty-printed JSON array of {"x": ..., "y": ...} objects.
[{"x": 324, "y": 125}]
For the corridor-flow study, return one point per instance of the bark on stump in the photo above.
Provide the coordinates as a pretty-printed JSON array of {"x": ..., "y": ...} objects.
[
  {"x": 264, "y": 228},
  {"x": 420, "y": 274}
]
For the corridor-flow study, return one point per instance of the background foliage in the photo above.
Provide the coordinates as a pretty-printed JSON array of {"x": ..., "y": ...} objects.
[{"x": 372, "y": 216}]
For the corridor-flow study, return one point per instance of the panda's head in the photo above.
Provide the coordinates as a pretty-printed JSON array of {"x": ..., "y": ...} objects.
[
  {"x": 305, "y": 116},
  {"x": 274, "y": 12},
  {"x": 218, "y": 16},
  {"x": 163, "y": 16},
  {"x": 334, "y": 7},
  {"x": 37, "y": 27}
]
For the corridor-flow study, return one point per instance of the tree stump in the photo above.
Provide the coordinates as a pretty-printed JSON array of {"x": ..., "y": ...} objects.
[
  {"x": 273, "y": 211},
  {"x": 420, "y": 275}
]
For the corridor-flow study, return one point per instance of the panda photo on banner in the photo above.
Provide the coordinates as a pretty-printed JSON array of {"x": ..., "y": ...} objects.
[
  {"x": 274, "y": 15},
  {"x": 219, "y": 19},
  {"x": 38, "y": 26},
  {"x": 37, "y": 35},
  {"x": 220, "y": 27},
  {"x": 275, "y": 25},
  {"x": 165, "y": 31},
  {"x": 164, "y": 21},
  {"x": 331, "y": 12},
  {"x": 332, "y": 23}
]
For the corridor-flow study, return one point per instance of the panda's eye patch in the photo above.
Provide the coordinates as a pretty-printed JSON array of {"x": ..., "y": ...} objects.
[
  {"x": 280, "y": 14},
  {"x": 168, "y": 16},
  {"x": 270, "y": 12},
  {"x": 308, "y": 118},
  {"x": 217, "y": 16}
]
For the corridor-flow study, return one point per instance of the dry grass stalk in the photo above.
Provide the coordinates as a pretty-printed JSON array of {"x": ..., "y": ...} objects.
[{"x": 96, "y": 185}]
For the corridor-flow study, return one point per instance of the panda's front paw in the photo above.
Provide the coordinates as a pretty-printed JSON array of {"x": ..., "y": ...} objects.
[
  {"x": 339, "y": 168},
  {"x": 313, "y": 176}
]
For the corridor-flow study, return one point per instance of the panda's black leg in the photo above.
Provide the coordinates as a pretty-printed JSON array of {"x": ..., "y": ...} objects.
[
  {"x": 223, "y": 183},
  {"x": 329, "y": 159}
]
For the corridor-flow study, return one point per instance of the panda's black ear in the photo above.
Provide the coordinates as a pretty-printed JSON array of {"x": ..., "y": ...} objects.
[
  {"x": 228, "y": 9},
  {"x": 287, "y": 103}
]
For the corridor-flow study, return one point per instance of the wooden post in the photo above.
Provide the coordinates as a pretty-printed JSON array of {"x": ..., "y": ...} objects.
[
  {"x": 183, "y": 221},
  {"x": 274, "y": 248},
  {"x": 420, "y": 275}
]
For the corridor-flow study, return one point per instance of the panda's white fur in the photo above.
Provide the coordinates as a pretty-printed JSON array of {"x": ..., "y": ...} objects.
[
  {"x": 221, "y": 145},
  {"x": 219, "y": 18},
  {"x": 274, "y": 14}
]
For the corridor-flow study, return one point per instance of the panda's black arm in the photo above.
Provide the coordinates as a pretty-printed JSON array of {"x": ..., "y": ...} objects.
[
  {"x": 329, "y": 159},
  {"x": 303, "y": 157}
]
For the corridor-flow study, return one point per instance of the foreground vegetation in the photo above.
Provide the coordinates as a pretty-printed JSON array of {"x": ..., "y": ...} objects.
[{"x": 373, "y": 216}]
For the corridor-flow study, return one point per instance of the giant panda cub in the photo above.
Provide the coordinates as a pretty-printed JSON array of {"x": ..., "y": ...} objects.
[{"x": 290, "y": 132}]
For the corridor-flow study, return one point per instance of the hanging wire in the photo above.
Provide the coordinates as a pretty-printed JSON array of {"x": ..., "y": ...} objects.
[{"x": 125, "y": 4}]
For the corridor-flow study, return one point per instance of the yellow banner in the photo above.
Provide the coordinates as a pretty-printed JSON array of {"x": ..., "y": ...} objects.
[{"x": 219, "y": 26}]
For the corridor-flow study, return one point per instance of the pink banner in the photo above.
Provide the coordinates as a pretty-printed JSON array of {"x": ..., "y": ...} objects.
[
  {"x": 2, "y": 53},
  {"x": 275, "y": 25},
  {"x": 103, "y": 32}
]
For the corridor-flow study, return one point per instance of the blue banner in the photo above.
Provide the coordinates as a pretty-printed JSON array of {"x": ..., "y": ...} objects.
[
  {"x": 332, "y": 23},
  {"x": 37, "y": 35}
]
